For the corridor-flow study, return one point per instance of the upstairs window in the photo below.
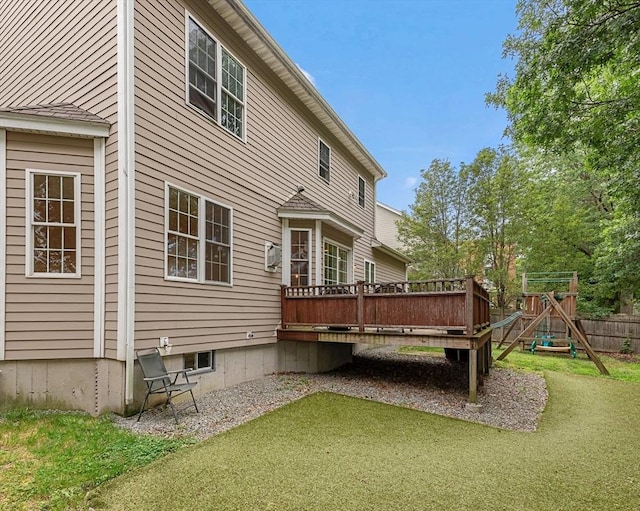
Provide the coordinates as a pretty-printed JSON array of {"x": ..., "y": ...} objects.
[
  {"x": 54, "y": 224},
  {"x": 213, "y": 73},
  {"x": 324, "y": 160},
  {"x": 361, "y": 191},
  {"x": 198, "y": 238}
]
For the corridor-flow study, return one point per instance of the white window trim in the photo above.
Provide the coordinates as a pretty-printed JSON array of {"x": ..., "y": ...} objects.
[
  {"x": 364, "y": 198},
  {"x": 219, "y": 47},
  {"x": 349, "y": 259},
  {"x": 201, "y": 370},
  {"x": 77, "y": 211},
  {"x": 202, "y": 200},
  {"x": 309, "y": 233},
  {"x": 371, "y": 264},
  {"x": 320, "y": 141}
]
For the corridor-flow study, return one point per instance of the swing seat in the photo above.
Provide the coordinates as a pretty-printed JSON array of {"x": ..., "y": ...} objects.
[{"x": 549, "y": 346}]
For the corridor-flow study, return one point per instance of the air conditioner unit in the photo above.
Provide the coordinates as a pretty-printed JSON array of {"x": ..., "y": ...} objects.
[{"x": 272, "y": 256}]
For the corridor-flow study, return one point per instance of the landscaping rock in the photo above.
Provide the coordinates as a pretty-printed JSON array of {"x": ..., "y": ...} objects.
[{"x": 509, "y": 399}]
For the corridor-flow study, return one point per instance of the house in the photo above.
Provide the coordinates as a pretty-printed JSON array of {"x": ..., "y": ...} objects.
[
  {"x": 387, "y": 235},
  {"x": 164, "y": 169}
]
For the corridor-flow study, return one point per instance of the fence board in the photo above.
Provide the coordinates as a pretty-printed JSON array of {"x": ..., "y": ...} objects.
[{"x": 605, "y": 335}]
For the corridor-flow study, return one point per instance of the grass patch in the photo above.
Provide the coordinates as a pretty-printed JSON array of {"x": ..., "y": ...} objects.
[
  {"x": 620, "y": 369},
  {"x": 627, "y": 369},
  {"x": 328, "y": 451},
  {"x": 49, "y": 460},
  {"x": 421, "y": 350}
]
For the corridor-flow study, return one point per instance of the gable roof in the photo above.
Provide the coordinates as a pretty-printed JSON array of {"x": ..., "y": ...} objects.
[
  {"x": 259, "y": 40},
  {"x": 301, "y": 207},
  {"x": 301, "y": 203},
  {"x": 57, "y": 118}
]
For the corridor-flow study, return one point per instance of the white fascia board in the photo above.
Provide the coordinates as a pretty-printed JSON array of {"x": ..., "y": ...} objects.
[
  {"x": 54, "y": 125},
  {"x": 325, "y": 216},
  {"x": 388, "y": 208},
  {"x": 385, "y": 249},
  {"x": 259, "y": 40}
]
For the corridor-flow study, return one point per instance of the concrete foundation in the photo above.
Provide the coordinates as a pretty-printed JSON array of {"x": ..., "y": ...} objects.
[{"x": 94, "y": 386}]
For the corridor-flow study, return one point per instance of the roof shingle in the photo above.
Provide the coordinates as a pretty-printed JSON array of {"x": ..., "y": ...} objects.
[{"x": 66, "y": 111}]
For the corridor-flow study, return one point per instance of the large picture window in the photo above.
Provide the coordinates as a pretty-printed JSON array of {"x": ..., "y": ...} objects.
[
  {"x": 300, "y": 257},
  {"x": 199, "y": 234},
  {"x": 214, "y": 73},
  {"x": 53, "y": 205},
  {"x": 336, "y": 264}
]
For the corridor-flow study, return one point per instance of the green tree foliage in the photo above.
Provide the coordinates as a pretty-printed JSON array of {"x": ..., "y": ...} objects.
[
  {"x": 436, "y": 230},
  {"x": 576, "y": 91},
  {"x": 468, "y": 221},
  {"x": 566, "y": 206},
  {"x": 497, "y": 217}
]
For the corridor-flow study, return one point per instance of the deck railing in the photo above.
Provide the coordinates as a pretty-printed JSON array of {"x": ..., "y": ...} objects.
[{"x": 457, "y": 305}]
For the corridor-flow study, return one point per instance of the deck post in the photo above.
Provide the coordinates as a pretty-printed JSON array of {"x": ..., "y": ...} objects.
[
  {"x": 469, "y": 305},
  {"x": 473, "y": 405},
  {"x": 360, "y": 286}
]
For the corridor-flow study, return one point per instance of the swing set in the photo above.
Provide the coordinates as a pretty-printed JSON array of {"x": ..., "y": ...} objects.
[{"x": 549, "y": 296}]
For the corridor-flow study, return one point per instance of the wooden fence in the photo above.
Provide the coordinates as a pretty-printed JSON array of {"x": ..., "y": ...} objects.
[{"x": 605, "y": 335}]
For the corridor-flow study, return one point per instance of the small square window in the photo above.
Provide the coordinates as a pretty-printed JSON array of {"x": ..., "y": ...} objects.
[{"x": 200, "y": 361}]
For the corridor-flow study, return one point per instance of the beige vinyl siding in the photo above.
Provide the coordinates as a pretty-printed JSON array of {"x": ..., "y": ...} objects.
[
  {"x": 389, "y": 269},
  {"x": 178, "y": 145},
  {"x": 386, "y": 228},
  {"x": 55, "y": 52},
  {"x": 46, "y": 317}
]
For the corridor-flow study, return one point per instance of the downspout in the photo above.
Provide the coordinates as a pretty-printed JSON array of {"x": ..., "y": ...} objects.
[
  {"x": 126, "y": 196},
  {"x": 3, "y": 237}
]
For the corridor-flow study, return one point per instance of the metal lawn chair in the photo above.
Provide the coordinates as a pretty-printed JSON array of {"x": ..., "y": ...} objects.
[{"x": 161, "y": 381}]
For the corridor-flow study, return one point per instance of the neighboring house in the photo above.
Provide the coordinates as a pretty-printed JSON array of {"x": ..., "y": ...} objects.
[
  {"x": 164, "y": 167},
  {"x": 387, "y": 234}
]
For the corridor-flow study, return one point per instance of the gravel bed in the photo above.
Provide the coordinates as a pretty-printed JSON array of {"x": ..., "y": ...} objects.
[{"x": 510, "y": 399}]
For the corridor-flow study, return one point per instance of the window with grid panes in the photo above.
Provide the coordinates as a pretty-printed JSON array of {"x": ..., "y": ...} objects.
[
  {"x": 214, "y": 73},
  {"x": 336, "y": 260},
  {"x": 54, "y": 224},
  {"x": 197, "y": 250},
  {"x": 299, "y": 257}
]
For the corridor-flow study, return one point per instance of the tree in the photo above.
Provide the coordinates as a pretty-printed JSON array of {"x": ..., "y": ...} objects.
[
  {"x": 576, "y": 78},
  {"x": 436, "y": 230},
  {"x": 498, "y": 181},
  {"x": 566, "y": 206},
  {"x": 577, "y": 90}
]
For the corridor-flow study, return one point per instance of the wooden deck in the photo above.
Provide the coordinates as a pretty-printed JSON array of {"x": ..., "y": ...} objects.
[{"x": 451, "y": 314}]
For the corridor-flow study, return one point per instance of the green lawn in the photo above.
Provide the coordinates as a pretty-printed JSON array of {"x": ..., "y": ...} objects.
[
  {"x": 48, "y": 460},
  {"x": 330, "y": 452},
  {"x": 333, "y": 452}
]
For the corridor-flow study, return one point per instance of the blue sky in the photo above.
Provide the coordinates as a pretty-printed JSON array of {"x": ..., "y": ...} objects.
[{"x": 407, "y": 76}]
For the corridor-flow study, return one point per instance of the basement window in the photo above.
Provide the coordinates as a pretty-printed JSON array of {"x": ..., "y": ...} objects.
[{"x": 201, "y": 361}]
